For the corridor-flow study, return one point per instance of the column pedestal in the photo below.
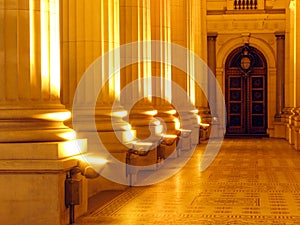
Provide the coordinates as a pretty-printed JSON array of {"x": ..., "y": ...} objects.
[
  {"x": 287, "y": 112},
  {"x": 279, "y": 130},
  {"x": 206, "y": 120},
  {"x": 296, "y": 129},
  {"x": 291, "y": 127},
  {"x": 148, "y": 129},
  {"x": 32, "y": 182},
  {"x": 166, "y": 114},
  {"x": 112, "y": 139}
]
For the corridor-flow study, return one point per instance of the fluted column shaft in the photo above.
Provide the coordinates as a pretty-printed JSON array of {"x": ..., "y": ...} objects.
[
  {"x": 90, "y": 30},
  {"x": 30, "y": 72},
  {"x": 91, "y": 33},
  {"x": 161, "y": 31},
  {"x": 179, "y": 36},
  {"x": 135, "y": 19},
  {"x": 135, "y": 26},
  {"x": 197, "y": 23},
  {"x": 297, "y": 55}
]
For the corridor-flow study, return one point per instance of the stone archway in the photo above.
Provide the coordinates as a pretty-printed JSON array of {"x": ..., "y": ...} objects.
[{"x": 225, "y": 46}]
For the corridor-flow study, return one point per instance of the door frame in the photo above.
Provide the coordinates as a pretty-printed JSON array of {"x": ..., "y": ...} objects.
[{"x": 259, "y": 70}]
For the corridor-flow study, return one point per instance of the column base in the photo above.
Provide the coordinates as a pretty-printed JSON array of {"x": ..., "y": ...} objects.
[
  {"x": 34, "y": 124},
  {"x": 297, "y": 139},
  {"x": 287, "y": 112},
  {"x": 185, "y": 143},
  {"x": 168, "y": 148},
  {"x": 103, "y": 184},
  {"x": 216, "y": 130},
  {"x": 279, "y": 130},
  {"x": 32, "y": 182},
  {"x": 291, "y": 129},
  {"x": 204, "y": 132}
]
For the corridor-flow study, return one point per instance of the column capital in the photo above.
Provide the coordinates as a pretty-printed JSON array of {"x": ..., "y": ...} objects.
[
  {"x": 212, "y": 35},
  {"x": 280, "y": 35}
]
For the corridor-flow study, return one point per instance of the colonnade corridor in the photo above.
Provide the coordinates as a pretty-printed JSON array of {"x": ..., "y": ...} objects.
[{"x": 251, "y": 181}]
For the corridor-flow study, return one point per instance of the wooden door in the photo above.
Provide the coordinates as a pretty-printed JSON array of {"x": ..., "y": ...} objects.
[{"x": 246, "y": 91}]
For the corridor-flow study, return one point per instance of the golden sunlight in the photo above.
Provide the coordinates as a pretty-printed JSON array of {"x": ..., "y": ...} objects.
[
  {"x": 199, "y": 119},
  {"x": 44, "y": 10},
  {"x": 56, "y": 116},
  {"x": 54, "y": 48},
  {"x": 93, "y": 160},
  {"x": 172, "y": 112},
  {"x": 128, "y": 136},
  {"x": 68, "y": 135},
  {"x": 72, "y": 148},
  {"x": 50, "y": 45},
  {"x": 32, "y": 37},
  {"x": 177, "y": 124},
  {"x": 120, "y": 114},
  {"x": 159, "y": 130},
  {"x": 151, "y": 113}
]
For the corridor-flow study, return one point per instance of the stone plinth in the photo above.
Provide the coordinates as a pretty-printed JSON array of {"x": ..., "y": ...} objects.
[
  {"x": 279, "y": 130},
  {"x": 32, "y": 182}
]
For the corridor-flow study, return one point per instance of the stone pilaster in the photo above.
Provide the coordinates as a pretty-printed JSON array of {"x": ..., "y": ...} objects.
[
  {"x": 211, "y": 62},
  {"x": 279, "y": 124},
  {"x": 280, "y": 71}
]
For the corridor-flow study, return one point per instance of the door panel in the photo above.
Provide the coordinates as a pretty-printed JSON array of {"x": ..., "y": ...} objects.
[
  {"x": 236, "y": 106},
  {"x": 257, "y": 112},
  {"x": 246, "y": 94}
]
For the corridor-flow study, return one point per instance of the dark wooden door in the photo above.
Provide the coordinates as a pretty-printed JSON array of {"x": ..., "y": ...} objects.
[{"x": 246, "y": 91}]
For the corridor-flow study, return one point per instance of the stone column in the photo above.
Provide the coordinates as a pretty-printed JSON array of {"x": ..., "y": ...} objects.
[
  {"x": 161, "y": 70},
  {"x": 197, "y": 44},
  {"x": 161, "y": 31},
  {"x": 35, "y": 145},
  {"x": 180, "y": 30},
  {"x": 296, "y": 117},
  {"x": 92, "y": 30},
  {"x": 135, "y": 26},
  {"x": 135, "y": 19},
  {"x": 289, "y": 71},
  {"x": 30, "y": 75}
]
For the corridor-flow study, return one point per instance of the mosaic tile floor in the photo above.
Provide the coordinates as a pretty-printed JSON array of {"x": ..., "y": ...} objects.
[{"x": 252, "y": 181}]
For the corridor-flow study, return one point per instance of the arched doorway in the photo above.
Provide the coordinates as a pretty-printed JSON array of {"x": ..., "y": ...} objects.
[{"x": 246, "y": 91}]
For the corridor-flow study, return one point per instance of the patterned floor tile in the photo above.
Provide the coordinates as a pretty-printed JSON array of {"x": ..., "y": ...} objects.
[{"x": 252, "y": 181}]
